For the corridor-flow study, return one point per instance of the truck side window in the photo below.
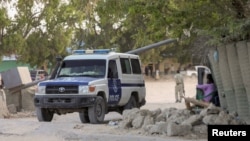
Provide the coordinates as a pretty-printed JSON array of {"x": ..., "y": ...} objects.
[
  {"x": 125, "y": 65},
  {"x": 136, "y": 66},
  {"x": 112, "y": 69}
]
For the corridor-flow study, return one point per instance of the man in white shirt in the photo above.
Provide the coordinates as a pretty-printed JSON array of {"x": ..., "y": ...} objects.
[{"x": 179, "y": 86}]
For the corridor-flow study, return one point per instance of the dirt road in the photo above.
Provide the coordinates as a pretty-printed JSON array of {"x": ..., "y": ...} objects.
[{"x": 25, "y": 126}]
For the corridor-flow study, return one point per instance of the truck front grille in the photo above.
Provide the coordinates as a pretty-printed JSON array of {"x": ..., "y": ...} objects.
[{"x": 62, "y": 89}]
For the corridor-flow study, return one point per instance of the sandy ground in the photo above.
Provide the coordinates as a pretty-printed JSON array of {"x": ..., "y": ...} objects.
[{"x": 160, "y": 94}]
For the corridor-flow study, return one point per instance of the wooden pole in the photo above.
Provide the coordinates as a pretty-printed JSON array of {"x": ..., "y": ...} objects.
[{"x": 24, "y": 86}]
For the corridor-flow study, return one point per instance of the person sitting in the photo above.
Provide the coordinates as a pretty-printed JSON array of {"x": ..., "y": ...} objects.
[
  {"x": 205, "y": 94},
  {"x": 209, "y": 89}
]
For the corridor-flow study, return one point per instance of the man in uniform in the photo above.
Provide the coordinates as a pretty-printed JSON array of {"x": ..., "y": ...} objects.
[{"x": 179, "y": 86}]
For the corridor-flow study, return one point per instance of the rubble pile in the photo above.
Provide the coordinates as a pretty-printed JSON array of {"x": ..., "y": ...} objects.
[{"x": 177, "y": 122}]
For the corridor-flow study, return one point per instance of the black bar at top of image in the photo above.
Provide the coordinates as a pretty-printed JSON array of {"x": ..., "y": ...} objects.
[{"x": 241, "y": 132}]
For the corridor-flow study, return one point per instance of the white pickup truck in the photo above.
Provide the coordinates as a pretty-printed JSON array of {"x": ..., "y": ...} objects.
[
  {"x": 194, "y": 72},
  {"x": 92, "y": 83}
]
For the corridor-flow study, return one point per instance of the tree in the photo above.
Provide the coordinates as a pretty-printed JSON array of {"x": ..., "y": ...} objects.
[
  {"x": 47, "y": 28},
  {"x": 128, "y": 25},
  {"x": 41, "y": 30},
  {"x": 4, "y": 23}
]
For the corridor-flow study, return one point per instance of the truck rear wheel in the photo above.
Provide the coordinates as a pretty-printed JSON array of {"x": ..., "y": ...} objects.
[
  {"x": 84, "y": 117},
  {"x": 44, "y": 114},
  {"x": 132, "y": 103},
  {"x": 97, "y": 112}
]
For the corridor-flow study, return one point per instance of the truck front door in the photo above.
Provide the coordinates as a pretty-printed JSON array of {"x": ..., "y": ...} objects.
[{"x": 114, "y": 83}]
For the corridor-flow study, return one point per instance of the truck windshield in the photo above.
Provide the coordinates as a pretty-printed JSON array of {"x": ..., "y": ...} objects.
[{"x": 83, "y": 68}]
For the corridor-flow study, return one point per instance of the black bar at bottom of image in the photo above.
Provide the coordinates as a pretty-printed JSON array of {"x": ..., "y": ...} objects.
[{"x": 241, "y": 132}]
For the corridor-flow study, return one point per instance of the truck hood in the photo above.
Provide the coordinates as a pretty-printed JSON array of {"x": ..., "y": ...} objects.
[{"x": 68, "y": 81}]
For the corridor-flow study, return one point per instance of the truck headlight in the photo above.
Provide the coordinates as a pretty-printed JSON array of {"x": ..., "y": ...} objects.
[
  {"x": 83, "y": 89},
  {"x": 41, "y": 89},
  {"x": 86, "y": 89}
]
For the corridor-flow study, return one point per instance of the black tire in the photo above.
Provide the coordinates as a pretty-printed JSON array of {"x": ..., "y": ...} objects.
[
  {"x": 132, "y": 103},
  {"x": 97, "y": 112},
  {"x": 44, "y": 115},
  {"x": 84, "y": 117}
]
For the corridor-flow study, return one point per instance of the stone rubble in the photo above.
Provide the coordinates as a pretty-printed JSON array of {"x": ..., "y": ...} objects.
[{"x": 177, "y": 122}]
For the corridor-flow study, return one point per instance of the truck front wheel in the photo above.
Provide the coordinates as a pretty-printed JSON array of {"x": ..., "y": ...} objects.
[
  {"x": 84, "y": 117},
  {"x": 97, "y": 112},
  {"x": 44, "y": 114}
]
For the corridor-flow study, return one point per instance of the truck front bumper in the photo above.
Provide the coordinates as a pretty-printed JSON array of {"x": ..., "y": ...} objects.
[{"x": 59, "y": 101}]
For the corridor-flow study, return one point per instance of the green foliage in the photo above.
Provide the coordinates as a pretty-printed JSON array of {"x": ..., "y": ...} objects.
[
  {"x": 40, "y": 35},
  {"x": 4, "y": 23},
  {"x": 12, "y": 43},
  {"x": 43, "y": 29}
]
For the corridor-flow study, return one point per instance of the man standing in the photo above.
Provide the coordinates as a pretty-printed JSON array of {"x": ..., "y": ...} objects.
[
  {"x": 179, "y": 86},
  {"x": 172, "y": 69}
]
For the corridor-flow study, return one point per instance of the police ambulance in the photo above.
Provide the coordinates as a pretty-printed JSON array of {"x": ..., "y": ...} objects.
[{"x": 92, "y": 83}]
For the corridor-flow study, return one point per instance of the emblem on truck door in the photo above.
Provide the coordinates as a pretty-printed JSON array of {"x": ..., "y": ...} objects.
[
  {"x": 115, "y": 88},
  {"x": 114, "y": 91},
  {"x": 61, "y": 89}
]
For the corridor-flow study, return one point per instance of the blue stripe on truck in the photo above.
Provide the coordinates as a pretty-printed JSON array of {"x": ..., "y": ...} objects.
[{"x": 132, "y": 85}]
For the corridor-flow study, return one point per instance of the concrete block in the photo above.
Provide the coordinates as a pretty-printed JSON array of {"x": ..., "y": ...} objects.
[
  {"x": 27, "y": 99},
  {"x": 12, "y": 108},
  {"x": 14, "y": 98},
  {"x": 16, "y": 77}
]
